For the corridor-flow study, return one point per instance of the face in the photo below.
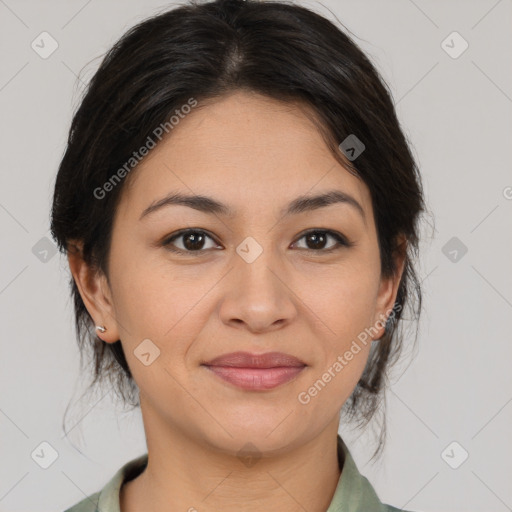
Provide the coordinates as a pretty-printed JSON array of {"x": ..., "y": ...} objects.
[{"x": 256, "y": 276}]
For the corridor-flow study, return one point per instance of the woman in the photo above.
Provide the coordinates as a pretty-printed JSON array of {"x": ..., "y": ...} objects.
[{"x": 239, "y": 208}]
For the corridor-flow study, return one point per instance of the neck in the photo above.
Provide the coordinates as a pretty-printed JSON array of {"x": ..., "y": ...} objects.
[{"x": 189, "y": 474}]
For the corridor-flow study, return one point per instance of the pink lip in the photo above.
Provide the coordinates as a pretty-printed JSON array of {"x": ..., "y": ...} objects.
[
  {"x": 256, "y": 371},
  {"x": 248, "y": 360},
  {"x": 256, "y": 378}
]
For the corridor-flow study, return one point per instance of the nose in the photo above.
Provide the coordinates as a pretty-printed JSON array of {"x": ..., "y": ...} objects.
[{"x": 257, "y": 294}]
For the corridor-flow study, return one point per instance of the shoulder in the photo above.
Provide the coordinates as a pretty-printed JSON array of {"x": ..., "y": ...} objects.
[
  {"x": 389, "y": 508},
  {"x": 107, "y": 499},
  {"x": 354, "y": 492},
  {"x": 88, "y": 504}
]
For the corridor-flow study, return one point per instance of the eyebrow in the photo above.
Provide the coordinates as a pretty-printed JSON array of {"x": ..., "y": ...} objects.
[{"x": 212, "y": 206}]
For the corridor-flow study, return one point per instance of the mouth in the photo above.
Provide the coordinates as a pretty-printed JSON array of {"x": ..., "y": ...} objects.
[{"x": 256, "y": 371}]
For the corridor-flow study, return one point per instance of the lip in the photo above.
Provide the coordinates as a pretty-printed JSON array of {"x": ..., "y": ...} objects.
[
  {"x": 248, "y": 360},
  {"x": 256, "y": 371}
]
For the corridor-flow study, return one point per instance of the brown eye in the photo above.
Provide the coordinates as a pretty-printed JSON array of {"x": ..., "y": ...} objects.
[
  {"x": 195, "y": 241},
  {"x": 316, "y": 240},
  {"x": 190, "y": 240}
]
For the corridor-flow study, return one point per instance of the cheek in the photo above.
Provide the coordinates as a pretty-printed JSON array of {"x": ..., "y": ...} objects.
[
  {"x": 342, "y": 297},
  {"x": 344, "y": 302},
  {"x": 153, "y": 302}
]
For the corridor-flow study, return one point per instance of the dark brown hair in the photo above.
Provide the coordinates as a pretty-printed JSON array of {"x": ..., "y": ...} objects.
[{"x": 205, "y": 50}]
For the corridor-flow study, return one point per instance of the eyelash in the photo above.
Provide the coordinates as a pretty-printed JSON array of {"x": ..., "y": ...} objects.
[{"x": 341, "y": 240}]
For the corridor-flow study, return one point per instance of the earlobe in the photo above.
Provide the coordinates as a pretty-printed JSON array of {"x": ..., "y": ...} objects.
[{"x": 95, "y": 292}]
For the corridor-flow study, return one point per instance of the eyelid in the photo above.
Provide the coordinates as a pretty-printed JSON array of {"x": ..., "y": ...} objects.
[
  {"x": 167, "y": 241},
  {"x": 341, "y": 240}
]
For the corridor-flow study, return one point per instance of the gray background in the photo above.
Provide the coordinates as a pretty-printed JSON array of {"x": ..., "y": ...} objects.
[{"x": 458, "y": 384}]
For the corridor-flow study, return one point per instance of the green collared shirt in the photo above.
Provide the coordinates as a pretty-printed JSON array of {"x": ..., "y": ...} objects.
[{"x": 354, "y": 493}]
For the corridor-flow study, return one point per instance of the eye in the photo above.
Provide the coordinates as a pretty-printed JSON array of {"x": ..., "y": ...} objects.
[
  {"x": 193, "y": 241},
  {"x": 316, "y": 239}
]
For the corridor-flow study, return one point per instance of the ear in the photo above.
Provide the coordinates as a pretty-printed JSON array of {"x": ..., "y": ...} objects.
[
  {"x": 388, "y": 288},
  {"x": 95, "y": 292}
]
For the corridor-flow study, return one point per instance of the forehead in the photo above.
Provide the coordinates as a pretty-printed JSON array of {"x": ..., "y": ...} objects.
[{"x": 247, "y": 150}]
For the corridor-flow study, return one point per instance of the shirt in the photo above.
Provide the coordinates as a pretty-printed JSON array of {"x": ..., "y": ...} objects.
[{"x": 353, "y": 493}]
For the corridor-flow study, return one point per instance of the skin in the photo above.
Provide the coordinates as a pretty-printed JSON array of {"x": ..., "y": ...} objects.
[{"x": 254, "y": 154}]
